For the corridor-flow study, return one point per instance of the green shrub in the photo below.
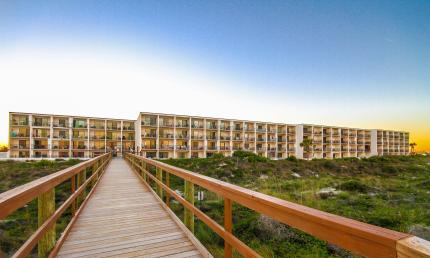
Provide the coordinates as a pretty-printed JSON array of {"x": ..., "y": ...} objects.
[
  {"x": 354, "y": 186},
  {"x": 292, "y": 158}
]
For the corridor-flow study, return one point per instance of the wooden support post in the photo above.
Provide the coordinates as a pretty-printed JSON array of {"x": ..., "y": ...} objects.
[
  {"x": 142, "y": 164},
  {"x": 188, "y": 215},
  {"x": 73, "y": 189},
  {"x": 228, "y": 226},
  {"x": 159, "y": 174},
  {"x": 46, "y": 207},
  {"x": 168, "y": 185},
  {"x": 81, "y": 179},
  {"x": 95, "y": 167}
]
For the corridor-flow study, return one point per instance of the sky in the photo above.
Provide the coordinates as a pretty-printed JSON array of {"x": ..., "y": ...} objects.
[{"x": 348, "y": 63}]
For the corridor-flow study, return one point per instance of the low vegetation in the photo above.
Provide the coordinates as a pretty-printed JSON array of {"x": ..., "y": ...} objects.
[
  {"x": 18, "y": 227},
  {"x": 391, "y": 192}
]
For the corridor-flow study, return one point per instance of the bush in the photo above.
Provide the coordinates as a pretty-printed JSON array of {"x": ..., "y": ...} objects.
[
  {"x": 242, "y": 154},
  {"x": 292, "y": 158},
  {"x": 354, "y": 186}
]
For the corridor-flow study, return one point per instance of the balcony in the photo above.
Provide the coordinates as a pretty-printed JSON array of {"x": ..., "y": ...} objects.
[
  {"x": 80, "y": 147},
  {"x": 282, "y": 140},
  {"x": 197, "y": 137},
  {"x": 166, "y": 135},
  {"x": 261, "y": 149},
  {"x": 80, "y": 126},
  {"x": 128, "y": 128},
  {"x": 149, "y": 135},
  {"x": 129, "y": 138},
  {"x": 41, "y": 124},
  {"x": 57, "y": 147},
  {"x": 237, "y": 139},
  {"x": 250, "y": 129},
  {"x": 40, "y": 147},
  {"x": 166, "y": 124},
  {"x": 261, "y": 139},
  {"x": 60, "y": 125},
  {"x": 182, "y": 125},
  {"x": 212, "y": 127},
  {"x": 61, "y": 137},
  {"x": 20, "y": 147},
  {"x": 41, "y": 135},
  {"x": 99, "y": 127},
  {"x": 19, "y": 122},
  {"x": 225, "y": 128},
  {"x": 149, "y": 147},
  {"x": 237, "y": 128},
  {"x": 181, "y": 136},
  {"x": 224, "y": 147},
  {"x": 146, "y": 123},
  {"x": 271, "y": 139},
  {"x": 19, "y": 135},
  {"x": 224, "y": 138},
  {"x": 318, "y": 133},
  {"x": 197, "y": 148},
  {"x": 212, "y": 138},
  {"x": 166, "y": 147},
  {"x": 211, "y": 148},
  {"x": 261, "y": 130},
  {"x": 79, "y": 137}
]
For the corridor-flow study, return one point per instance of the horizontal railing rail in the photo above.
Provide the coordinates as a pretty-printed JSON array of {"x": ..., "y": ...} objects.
[
  {"x": 357, "y": 237},
  {"x": 44, "y": 190}
]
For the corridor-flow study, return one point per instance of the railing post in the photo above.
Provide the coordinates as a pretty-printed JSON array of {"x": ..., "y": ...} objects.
[
  {"x": 45, "y": 208},
  {"x": 81, "y": 179},
  {"x": 159, "y": 174},
  {"x": 168, "y": 185},
  {"x": 145, "y": 167},
  {"x": 228, "y": 226},
  {"x": 95, "y": 167},
  {"x": 73, "y": 189},
  {"x": 189, "y": 196}
]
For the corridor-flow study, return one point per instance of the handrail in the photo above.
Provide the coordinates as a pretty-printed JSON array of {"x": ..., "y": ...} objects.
[
  {"x": 358, "y": 237},
  {"x": 43, "y": 189}
]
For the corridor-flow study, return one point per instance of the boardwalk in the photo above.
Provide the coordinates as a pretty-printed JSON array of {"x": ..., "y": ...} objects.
[{"x": 124, "y": 219}]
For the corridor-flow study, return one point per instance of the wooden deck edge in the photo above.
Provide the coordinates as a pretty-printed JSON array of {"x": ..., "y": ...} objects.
[
  {"x": 200, "y": 247},
  {"x": 66, "y": 232},
  {"x": 413, "y": 247}
]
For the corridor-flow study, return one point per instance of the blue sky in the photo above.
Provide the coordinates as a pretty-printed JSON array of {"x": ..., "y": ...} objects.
[{"x": 369, "y": 57}]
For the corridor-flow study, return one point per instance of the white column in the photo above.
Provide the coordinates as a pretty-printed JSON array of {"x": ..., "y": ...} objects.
[
  {"x": 299, "y": 139},
  {"x": 205, "y": 141},
  {"x": 30, "y": 122},
  {"x": 373, "y": 142},
  {"x": 51, "y": 136},
  {"x": 231, "y": 138},
  {"x": 255, "y": 137},
  {"x": 174, "y": 137},
  {"x": 218, "y": 142}
]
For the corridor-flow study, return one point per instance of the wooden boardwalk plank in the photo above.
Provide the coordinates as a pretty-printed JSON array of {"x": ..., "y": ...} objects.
[{"x": 124, "y": 219}]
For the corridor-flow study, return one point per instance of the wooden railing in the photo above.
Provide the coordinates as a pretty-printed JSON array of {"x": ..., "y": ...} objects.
[
  {"x": 360, "y": 238},
  {"x": 44, "y": 190}
]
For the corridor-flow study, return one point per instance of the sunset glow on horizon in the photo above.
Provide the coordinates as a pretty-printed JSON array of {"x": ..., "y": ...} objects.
[{"x": 356, "y": 64}]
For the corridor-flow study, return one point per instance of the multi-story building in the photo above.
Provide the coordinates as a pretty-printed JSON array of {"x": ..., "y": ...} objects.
[
  {"x": 178, "y": 136},
  {"x": 58, "y": 136}
]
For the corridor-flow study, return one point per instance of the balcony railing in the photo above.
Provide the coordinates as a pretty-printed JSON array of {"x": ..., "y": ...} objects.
[
  {"x": 149, "y": 135},
  {"x": 41, "y": 136},
  {"x": 42, "y": 124},
  {"x": 166, "y": 135},
  {"x": 197, "y": 137},
  {"x": 224, "y": 147},
  {"x": 61, "y": 125},
  {"x": 166, "y": 124},
  {"x": 149, "y": 147},
  {"x": 20, "y": 123},
  {"x": 166, "y": 147},
  {"x": 128, "y": 128},
  {"x": 182, "y": 125},
  {"x": 145, "y": 123},
  {"x": 224, "y": 138},
  {"x": 181, "y": 136},
  {"x": 197, "y": 148},
  {"x": 14, "y": 134}
]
